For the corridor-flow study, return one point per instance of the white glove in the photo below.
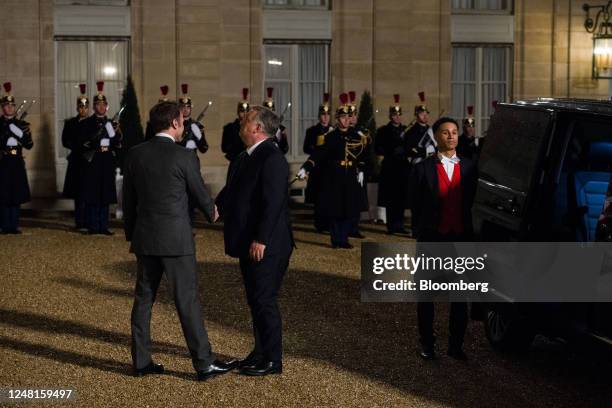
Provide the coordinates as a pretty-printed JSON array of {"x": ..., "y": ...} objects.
[
  {"x": 109, "y": 130},
  {"x": 196, "y": 131},
  {"x": 360, "y": 178},
  {"x": 16, "y": 131},
  {"x": 301, "y": 174},
  {"x": 190, "y": 145},
  {"x": 105, "y": 142},
  {"x": 278, "y": 134},
  {"x": 11, "y": 142}
]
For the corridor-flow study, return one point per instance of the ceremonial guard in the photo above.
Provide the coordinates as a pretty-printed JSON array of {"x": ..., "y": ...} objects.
[
  {"x": 395, "y": 168},
  {"x": 14, "y": 136},
  {"x": 231, "y": 143},
  {"x": 315, "y": 136},
  {"x": 72, "y": 135},
  {"x": 163, "y": 98},
  {"x": 194, "y": 138},
  {"x": 101, "y": 139},
  {"x": 419, "y": 138},
  {"x": 467, "y": 146},
  {"x": 342, "y": 158},
  {"x": 281, "y": 138},
  {"x": 361, "y": 131}
]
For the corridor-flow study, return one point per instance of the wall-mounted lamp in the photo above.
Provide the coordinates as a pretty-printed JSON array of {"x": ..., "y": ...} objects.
[{"x": 601, "y": 28}]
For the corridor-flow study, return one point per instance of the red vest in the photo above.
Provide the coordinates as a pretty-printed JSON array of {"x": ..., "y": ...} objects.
[{"x": 451, "y": 211}]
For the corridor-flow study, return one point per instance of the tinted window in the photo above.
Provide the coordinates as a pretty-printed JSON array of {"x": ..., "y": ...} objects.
[{"x": 511, "y": 146}]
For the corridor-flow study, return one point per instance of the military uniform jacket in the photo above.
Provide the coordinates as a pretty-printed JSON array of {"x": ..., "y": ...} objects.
[
  {"x": 340, "y": 195},
  {"x": 231, "y": 144},
  {"x": 395, "y": 167},
  {"x": 71, "y": 139},
  {"x": 412, "y": 140},
  {"x": 467, "y": 147},
  {"x": 14, "y": 188},
  {"x": 281, "y": 139},
  {"x": 98, "y": 180},
  {"x": 190, "y": 140},
  {"x": 314, "y": 134}
]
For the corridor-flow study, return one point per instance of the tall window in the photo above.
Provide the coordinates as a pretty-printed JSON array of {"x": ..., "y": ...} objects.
[
  {"x": 477, "y": 6},
  {"x": 88, "y": 62},
  {"x": 298, "y": 73},
  {"x": 480, "y": 75},
  {"x": 301, "y": 4}
]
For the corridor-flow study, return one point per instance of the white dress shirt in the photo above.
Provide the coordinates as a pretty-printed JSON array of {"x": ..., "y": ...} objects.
[
  {"x": 165, "y": 135},
  {"x": 448, "y": 164}
]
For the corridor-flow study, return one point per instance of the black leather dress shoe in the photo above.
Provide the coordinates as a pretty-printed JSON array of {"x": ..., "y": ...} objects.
[
  {"x": 357, "y": 235},
  {"x": 13, "y": 232},
  {"x": 107, "y": 232},
  {"x": 216, "y": 368},
  {"x": 427, "y": 353},
  {"x": 250, "y": 360},
  {"x": 457, "y": 354},
  {"x": 152, "y": 368},
  {"x": 263, "y": 368}
]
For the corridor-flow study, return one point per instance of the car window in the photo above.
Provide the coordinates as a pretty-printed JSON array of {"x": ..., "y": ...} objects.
[
  {"x": 583, "y": 179},
  {"x": 512, "y": 144}
]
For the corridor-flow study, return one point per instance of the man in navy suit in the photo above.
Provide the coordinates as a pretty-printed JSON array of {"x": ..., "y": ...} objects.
[
  {"x": 443, "y": 187},
  {"x": 257, "y": 231}
]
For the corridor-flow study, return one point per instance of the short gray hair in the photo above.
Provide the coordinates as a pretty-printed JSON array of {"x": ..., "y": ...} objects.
[{"x": 269, "y": 121}]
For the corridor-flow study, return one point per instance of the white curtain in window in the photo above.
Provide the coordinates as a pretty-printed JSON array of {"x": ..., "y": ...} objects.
[
  {"x": 494, "y": 80},
  {"x": 479, "y": 4},
  {"x": 463, "y": 80},
  {"x": 463, "y": 4},
  {"x": 71, "y": 71},
  {"x": 311, "y": 86},
  {"x": 110, "y": 66}
]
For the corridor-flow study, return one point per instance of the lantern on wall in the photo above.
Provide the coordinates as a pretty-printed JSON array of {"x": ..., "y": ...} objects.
[{"x": 601, "y": 28}]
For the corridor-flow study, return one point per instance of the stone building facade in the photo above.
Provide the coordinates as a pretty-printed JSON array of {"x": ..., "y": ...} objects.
[{"x": 219, "y": 47}]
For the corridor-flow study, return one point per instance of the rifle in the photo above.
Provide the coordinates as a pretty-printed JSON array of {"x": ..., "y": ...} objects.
[
  {"x": 25, "y": 111},
  {"x": 89, "y": 154},
  {"x": 282, "y": 116},
  {"x": 20, "y": 107},
  {"x": 201, "y": 115}
]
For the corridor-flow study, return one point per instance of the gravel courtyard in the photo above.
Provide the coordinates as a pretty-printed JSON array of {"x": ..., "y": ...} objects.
[{"x": 65, "y": 305}]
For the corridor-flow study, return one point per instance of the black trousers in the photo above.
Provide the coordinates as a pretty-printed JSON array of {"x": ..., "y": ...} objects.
[
  {"x": 339, "y": 230},
  {"x": 458, "y": 316},
  {"x": 181, "y": 274},
  {"x": 395, "y": 218},
  {"x": 262, "y": 281},
  {"x": 9, "y": 218},
  {"x": 457, "y": 324}
]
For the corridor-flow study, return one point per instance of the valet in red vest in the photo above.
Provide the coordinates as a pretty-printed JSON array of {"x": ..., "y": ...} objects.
[{"x": 443, "y": 188}]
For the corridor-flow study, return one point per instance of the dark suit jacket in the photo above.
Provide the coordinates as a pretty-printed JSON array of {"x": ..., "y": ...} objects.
[
  {"x": 425, "y": 199},
  {"x": 159, "y": 176},
  {"x": 254, "y": 202}
]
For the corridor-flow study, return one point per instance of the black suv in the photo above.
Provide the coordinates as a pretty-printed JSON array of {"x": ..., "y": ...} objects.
[{"x": 544, "y": 173}]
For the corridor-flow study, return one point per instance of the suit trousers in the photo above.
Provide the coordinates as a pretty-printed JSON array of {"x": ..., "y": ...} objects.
[
  {"x": 458, "y": 315},
  {"x": 181, "y": 274},
  {"x": 262, "y": 281}
]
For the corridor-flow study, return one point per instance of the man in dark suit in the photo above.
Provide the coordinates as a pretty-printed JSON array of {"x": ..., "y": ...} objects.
[
  {"x": 159, "y": 176},
  {"x": 444, "y": 186},
  {"x": 254, "y": 205}
]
